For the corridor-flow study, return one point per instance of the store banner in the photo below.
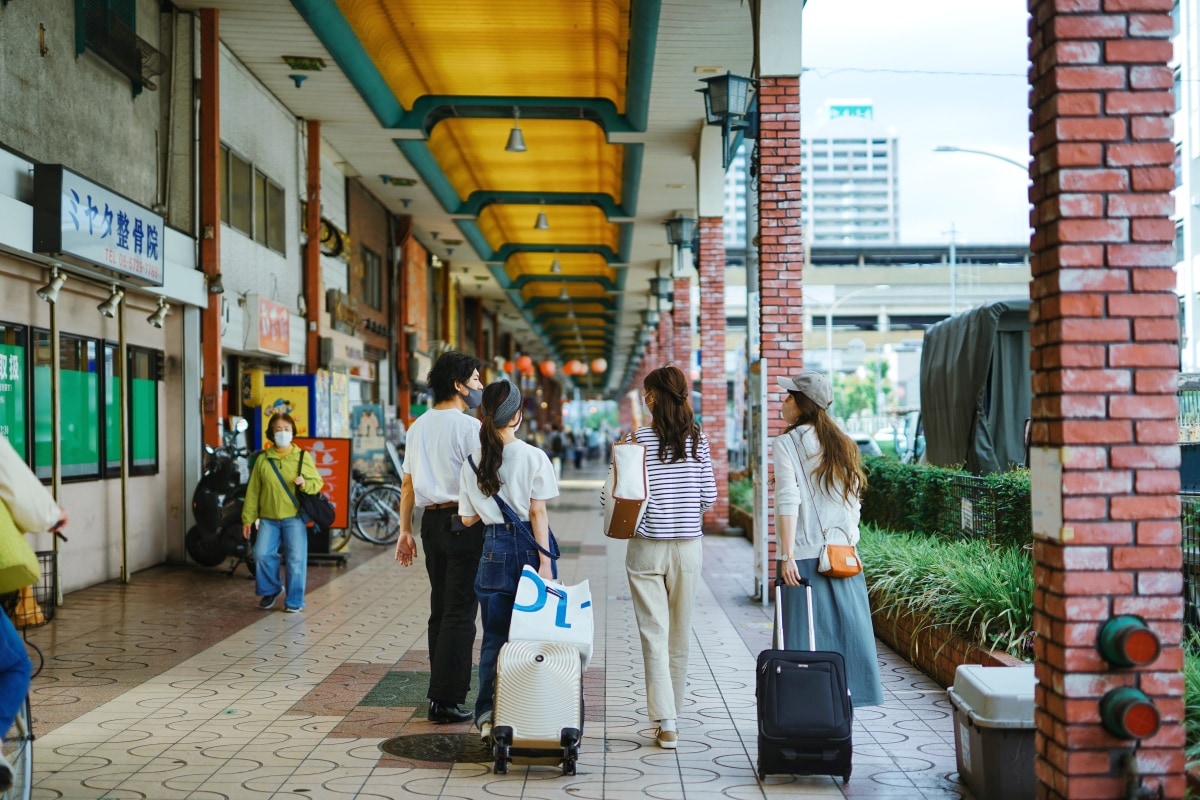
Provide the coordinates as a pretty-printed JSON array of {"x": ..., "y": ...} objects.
[{"x": 271, "y": 323}]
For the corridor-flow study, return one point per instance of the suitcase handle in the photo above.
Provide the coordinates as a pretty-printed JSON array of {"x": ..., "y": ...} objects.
[{"x": 779, "y": 642}]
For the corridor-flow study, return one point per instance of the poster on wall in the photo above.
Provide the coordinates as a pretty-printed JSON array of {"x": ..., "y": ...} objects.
[
  {"x": 12, "y": 396},
  {"x": 370, "y": 445},
  {"x": 291, "y": 400},
  {"x": 324, "y": 427},
  {"x": 332, "y": 459},
  {"x": 339, "y": 404}
]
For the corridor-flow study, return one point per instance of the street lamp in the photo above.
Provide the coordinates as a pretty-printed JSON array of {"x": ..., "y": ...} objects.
[
  {"x": 882, "y": 287},
  {"x": 948, "y": 148}
]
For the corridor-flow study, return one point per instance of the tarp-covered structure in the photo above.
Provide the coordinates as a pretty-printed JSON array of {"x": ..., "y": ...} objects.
[{"x": 976, "y": 391}]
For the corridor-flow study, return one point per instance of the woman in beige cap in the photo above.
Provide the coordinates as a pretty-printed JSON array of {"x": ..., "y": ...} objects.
[{"x": 818, "y": 482}]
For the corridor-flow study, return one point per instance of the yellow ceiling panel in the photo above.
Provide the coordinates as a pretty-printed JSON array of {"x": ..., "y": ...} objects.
[
  {"x": 569, "y": 225},
  {"x": 573, "y": 264},
  {"x": 578, "y": 292},
  {"x": 562, "y": 156},
  {"x": 567, "y": 48}
]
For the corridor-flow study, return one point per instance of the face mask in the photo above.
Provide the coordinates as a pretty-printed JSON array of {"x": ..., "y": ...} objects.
[
  {"x": 474, "y": 397},
  {"x": 283, "y": 438}
]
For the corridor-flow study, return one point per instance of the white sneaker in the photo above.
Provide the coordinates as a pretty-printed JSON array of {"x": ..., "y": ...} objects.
[{"x": 485, "y": 731}]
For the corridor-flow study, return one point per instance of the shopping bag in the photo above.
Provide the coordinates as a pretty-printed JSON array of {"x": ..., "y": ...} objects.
[
  {"x": 546, "y": 611},
  {"x": 19, "y": 565},
  {"x": 626, "y": 491}
]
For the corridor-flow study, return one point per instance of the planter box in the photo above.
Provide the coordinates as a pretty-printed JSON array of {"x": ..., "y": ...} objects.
[
  {"x": 741, "y": 518},
  {"x": 936, "y": 651}
]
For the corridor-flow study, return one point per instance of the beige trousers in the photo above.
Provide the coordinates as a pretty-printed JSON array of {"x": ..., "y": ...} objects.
[{"x": 663, "y": 576}]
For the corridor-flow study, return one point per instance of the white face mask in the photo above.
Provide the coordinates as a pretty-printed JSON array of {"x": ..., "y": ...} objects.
[{"x": 283, "y": 438}]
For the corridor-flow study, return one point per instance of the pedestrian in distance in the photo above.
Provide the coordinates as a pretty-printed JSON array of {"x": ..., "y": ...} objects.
[
  {"x": 510, "y": 471},
  {"x": 663, "y": 560},
  {"x": 276, "y": 475},
  {"x": 28, "y": 508},
  {"x": 436, "y": 445},
  {"x": 818, "y": 482}
]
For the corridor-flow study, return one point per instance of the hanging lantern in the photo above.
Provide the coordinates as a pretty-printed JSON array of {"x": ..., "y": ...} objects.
[
  {"x": 572, "y": 367},
  {"x": 525, "y": 364},
  {"x": 548, "y": 368},
  {"x": 508, "y": 367},
  {"x": 599, "y": 365}
]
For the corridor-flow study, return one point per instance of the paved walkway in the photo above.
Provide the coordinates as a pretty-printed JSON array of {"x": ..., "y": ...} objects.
[{"x": 177, "y": 686}]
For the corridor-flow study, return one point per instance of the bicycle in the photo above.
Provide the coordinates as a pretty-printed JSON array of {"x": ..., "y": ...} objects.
[
  {"x": 374, "y": 510},
  {"x": 28, "y": 610}
]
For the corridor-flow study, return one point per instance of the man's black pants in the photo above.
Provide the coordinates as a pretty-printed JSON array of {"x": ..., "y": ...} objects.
[{"x": 452, "y": 560}]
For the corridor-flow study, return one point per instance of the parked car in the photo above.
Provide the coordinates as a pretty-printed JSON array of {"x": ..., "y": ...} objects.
[{"x": 867, "y": 446}]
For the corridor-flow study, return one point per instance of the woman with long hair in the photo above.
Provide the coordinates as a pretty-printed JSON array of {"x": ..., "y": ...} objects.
[
  {"x": 505, "y": 472},
  {"x": 818, "y": 482},
  {"x": 663, "y": 560}
]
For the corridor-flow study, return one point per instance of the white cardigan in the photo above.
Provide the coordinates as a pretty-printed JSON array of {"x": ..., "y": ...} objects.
[{"x": 792, "y": 496}]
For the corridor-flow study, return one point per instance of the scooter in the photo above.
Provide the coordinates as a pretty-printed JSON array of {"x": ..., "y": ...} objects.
[{"x": 217, "y": 507}]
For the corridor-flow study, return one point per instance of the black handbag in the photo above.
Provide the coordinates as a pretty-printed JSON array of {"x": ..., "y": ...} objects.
[{"x": 315, "y": 507}]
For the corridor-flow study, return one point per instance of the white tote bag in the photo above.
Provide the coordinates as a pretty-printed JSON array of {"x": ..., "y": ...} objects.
[
  {"x": 546, "y": 611},
  {"x": 626, "y": 491}
]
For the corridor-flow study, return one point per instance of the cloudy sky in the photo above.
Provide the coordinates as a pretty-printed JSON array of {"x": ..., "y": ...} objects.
[{"x": 882, "y": 50}]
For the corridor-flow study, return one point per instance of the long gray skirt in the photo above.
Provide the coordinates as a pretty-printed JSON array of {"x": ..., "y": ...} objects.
[{"x": 841, "y": 622}]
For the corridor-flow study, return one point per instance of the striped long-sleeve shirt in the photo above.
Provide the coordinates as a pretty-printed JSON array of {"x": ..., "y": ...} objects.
[{"x": 680, "y": 492}]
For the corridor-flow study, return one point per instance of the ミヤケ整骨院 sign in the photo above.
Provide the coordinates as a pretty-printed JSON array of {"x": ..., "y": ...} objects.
[{"x": 80, "y": 221}]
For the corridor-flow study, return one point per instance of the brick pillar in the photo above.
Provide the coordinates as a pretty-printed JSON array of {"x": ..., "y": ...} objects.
[
  {"x": 683, "y": 324},
  {"x": 713, "y": 392},
  {"x": 1105, "y": 355},
  {"x": 780, "y": 249},
  {"x": 666, "y": 337}
]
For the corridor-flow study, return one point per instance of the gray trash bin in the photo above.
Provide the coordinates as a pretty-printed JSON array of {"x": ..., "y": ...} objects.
[{"x": 994, "y": 731}]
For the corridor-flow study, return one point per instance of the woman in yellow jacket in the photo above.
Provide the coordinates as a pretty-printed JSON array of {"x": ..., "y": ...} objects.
[{"x": 276, "y": 476}]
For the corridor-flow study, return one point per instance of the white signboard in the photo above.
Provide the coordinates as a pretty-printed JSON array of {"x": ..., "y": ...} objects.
[
  {"x": 76, "y": 217},
  {"x": 967, "y": 523},
  {"x": 1045, "y": 488}
]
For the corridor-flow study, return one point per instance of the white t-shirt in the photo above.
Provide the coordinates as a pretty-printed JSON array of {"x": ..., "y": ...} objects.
[
  {"x": 526, "y": 473},
  {"x": 435, "y": 448}
]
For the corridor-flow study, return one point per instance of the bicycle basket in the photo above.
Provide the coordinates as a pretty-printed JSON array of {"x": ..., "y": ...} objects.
[{"x": 35, "y": 606}]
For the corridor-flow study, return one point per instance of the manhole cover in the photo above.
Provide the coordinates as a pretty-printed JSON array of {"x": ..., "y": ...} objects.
[{"x": 439, "y": 747}]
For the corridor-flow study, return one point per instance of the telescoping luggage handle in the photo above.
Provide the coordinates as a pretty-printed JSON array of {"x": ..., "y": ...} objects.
[{"x": 780, "y": 644}]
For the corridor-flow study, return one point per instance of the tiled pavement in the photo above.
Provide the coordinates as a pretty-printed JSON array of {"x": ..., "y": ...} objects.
[{"x": 177, "y": 686}]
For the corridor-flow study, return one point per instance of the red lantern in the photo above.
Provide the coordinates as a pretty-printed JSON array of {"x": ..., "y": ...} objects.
[
  {"x": 572, "y": 367},
  {"x": 525, "y": 364},
  {"x": 548, "y": 368},
  {"x": 599, "y": 365},
  {"x": 508, "y": 367}
]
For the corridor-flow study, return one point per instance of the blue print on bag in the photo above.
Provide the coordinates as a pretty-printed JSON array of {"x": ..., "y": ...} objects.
[{"x": 560, "y": 617}]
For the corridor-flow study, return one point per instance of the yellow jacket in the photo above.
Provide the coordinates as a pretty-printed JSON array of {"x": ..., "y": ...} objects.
[{"x": 265, "y": 497}]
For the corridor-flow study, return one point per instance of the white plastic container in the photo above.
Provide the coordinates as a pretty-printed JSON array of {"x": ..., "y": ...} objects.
[{"x": 994, "y": 730}]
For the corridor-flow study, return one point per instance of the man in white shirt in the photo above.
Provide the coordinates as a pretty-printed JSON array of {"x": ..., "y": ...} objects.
[{"x": 436, "y": 446}]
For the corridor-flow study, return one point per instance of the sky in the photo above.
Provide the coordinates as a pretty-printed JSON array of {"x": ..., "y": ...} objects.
[{"x": 985, "y": 200}]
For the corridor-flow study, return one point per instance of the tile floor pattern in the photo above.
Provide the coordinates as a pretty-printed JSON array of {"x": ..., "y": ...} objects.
[{"x": 176, "y": 686}]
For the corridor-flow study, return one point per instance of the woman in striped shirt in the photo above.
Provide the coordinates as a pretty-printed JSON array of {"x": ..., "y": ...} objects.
[{"x": 663, "y": 560}]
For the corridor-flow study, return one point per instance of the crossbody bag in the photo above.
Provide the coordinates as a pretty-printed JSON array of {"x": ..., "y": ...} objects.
[{"x": 836, "y": 560}]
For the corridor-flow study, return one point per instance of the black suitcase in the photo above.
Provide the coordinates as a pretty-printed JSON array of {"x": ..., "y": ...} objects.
[{"x": 804, "y": 710}]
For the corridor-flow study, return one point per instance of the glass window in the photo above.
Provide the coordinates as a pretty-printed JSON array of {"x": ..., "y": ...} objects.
[
  {"x": 276, "y": 221},
  {"x": 240, "y": 177},
  {"x": 144, "y": 369},
  {"x": 79, "y": 404},
  {"x": 260, "y": 207},
  {"x": 372, "y": 280},
  {"x": 14, "y": 388},
  {"x": 112, "y": 410},
  {"x": 224, "y": 172}
]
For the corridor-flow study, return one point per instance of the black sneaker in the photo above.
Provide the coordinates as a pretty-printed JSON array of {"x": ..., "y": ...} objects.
[
  {"x": 268, "y": 601},
  {"x": 443, "y": 713}
]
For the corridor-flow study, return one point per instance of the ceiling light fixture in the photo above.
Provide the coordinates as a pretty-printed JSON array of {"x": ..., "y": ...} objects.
[
  {"x": 215, "y": 286},
  {"x": 516, "y": 139},
  {"x": 542, "y": 223},
  {"x": 160, "y": 314},
  {"x": 109, "y": 307},
  {"x": 563, "y": 294},
  {"x": 555, "y": 267},
  {"x": 49, "y": 292}
]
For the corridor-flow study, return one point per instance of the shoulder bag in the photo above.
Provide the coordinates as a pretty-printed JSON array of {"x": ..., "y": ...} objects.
[
  {"x": 316, "y": 507},
  {"x": 836, "y": 560},
  {"x": 626, "y": 490}
]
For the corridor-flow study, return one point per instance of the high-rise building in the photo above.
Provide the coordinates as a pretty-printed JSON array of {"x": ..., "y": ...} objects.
[{"x": 849, "y": 164}]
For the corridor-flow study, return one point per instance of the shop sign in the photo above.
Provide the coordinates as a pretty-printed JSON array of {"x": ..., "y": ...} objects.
[
  {"x": 12, "y": 396},
  {"x": 272, "y": 321},
  {"x": 343, "y": 311},
  {"x": 332, "y": 460},
  {"x": 77, "y": 220}
]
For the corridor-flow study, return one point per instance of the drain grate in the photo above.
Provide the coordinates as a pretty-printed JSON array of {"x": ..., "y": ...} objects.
[{"x": 439, "y": 747}]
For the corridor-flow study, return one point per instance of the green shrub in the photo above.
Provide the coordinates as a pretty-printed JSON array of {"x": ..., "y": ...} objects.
[
  {"x": 982, "y": 591},
  {"x": 741, "y": 493},
  {"x": 1191, "y": 696}
]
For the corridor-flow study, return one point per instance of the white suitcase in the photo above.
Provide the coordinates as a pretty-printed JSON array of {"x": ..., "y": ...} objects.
[{"x": 539, "y": 703}]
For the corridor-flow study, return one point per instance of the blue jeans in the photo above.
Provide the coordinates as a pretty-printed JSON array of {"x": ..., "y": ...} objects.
[
  {"x": 294, "y": 537},
  {"x": 505, "y": 552},
  {"x": 15, "y": 670}
]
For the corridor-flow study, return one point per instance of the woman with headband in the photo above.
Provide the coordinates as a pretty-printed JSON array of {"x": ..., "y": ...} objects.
[
  {"x": 510, "y": 471},
  {"x": 663, "y": 560}
]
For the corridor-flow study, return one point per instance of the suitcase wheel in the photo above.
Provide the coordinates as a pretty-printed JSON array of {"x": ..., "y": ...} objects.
[
  {"x": 501, "y": 742},
  {"x": 569, "y": 739},
  {"x": 568, "y": 766},
  {"x": 846, "y": 776}
]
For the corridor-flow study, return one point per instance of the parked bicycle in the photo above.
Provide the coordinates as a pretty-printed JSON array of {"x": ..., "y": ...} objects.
[{"x": 374, "y": 510}]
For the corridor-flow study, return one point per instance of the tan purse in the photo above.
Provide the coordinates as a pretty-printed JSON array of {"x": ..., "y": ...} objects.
[{"x": 835, "y": 560}]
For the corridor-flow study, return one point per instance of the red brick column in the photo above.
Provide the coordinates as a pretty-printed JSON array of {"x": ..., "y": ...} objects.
[
  {"x": 713, "y": 391},
  {"x": 666, "y": 337},
  {"x": 683, "y": 324},
  {"x": 1105, "y": 356},
  {"x": 780, "y": 249}
]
